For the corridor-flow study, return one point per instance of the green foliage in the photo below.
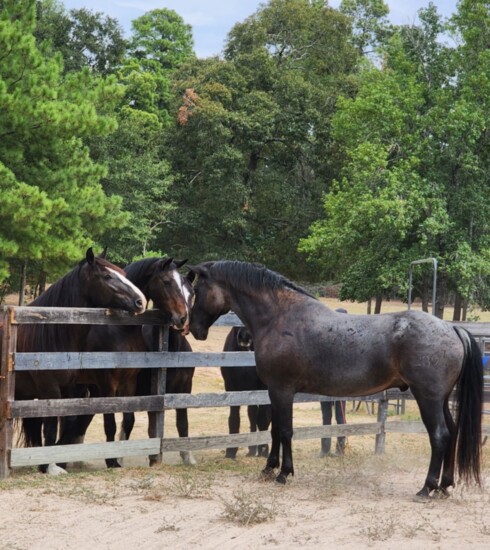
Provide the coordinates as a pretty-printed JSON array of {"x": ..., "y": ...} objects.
[
  {"x": 137, "y": 173},
  {"x": 53, "y": 205},
  {"x": 161, "y": 42},
  {"x": 251, "y": 145},
  {"x": 414, "y": 185},
  {"x": 82, "y": 37}
]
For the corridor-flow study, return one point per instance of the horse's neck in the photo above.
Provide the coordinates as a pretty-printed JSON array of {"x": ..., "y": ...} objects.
[
  {"x": 66, "y": 337},
  {"x": 260, "y": 310}
]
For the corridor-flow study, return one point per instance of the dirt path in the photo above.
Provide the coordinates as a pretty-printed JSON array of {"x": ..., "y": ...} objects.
[{"x": 360, "y": 501}]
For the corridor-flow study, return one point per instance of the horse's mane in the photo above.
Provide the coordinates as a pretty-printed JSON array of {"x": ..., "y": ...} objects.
[
  {"x": 65, "y": 292},
  {"x": 138, "y": 272},
  {"x": 252, "y": 276}
]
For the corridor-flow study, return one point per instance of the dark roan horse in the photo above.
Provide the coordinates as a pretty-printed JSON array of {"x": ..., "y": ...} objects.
[
  {"x": 244, "y": 379},
  {"x": 303, "y": 346},
  {"x": 160, "y": 282},
  {"x": 95, "y": 282},
  {"x": 178, "y": 380}
]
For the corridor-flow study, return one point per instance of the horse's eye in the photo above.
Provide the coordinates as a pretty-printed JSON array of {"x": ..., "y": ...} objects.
[{"x": 107, "y": 276}]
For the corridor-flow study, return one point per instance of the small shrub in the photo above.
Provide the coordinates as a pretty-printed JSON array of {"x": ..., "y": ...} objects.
[{"x": 247, "y": 509}]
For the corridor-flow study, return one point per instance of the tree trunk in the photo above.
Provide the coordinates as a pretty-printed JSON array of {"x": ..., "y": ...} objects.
[
  {"x": 369, "y": 306},
  {"x": 465, "y": 309},
  {"x": 441, "y": 296},
  {"x": 458, "y": 303},
  {"x": 41, "y": 284},
  {"x": 23, "y": 276},
  {"x": 377, "y": 306}
]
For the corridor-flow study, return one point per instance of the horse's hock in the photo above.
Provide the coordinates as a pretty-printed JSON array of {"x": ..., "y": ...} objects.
[{"x": 158, "y": 361}]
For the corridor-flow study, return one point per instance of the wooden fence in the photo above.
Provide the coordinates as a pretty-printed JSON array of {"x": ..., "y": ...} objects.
[{"x": 157, "y": 403}]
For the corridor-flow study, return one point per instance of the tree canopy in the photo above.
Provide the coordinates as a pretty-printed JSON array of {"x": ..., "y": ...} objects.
[
  {"x": 325, "y": 143},
  {"x": 53, "y": 204}
]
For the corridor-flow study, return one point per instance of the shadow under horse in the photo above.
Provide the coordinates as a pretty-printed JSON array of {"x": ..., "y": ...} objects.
[
  {"x": 245, "y": 379},
  {"x": 93, "y": 283},
  {"x": 303, "y": 346}
]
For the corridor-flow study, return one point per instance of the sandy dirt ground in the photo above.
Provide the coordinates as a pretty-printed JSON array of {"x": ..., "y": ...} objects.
[{"x": 361, "y": 500}]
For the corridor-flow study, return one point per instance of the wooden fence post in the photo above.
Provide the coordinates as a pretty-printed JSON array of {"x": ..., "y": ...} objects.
[
  {"x": 7, "y": 389},
  {"x": 156, "y": 420},
  {"x": 382, "y": 416}
]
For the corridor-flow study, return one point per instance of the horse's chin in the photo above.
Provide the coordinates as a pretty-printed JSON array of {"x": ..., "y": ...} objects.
[
  {"x": 200, "y": 333},
  {"x": 183, "y": 331}
]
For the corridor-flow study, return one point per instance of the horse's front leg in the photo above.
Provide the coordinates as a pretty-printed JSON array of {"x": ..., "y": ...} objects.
[
  {"x": 50, "y": 431},
  {"x": 110, "y": 434},
  {"x": 281, "y": 433}
]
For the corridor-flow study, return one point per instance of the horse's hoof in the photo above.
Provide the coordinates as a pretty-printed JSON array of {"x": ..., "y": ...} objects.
[
  {"x": 441, "y": 493},
  {"x": 188, "y": 458},
  {"x": 55, "y": 470},
  {"x": 422, "y": 496},
  {"x": 267, "y": 474},
  {"x": 281, "y": 479}
]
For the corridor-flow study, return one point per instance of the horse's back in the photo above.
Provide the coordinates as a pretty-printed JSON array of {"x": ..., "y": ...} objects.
[{"x": 315, "y": 349}]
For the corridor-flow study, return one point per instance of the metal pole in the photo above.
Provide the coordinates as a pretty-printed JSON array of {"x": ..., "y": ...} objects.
[{"x": 434, "y": 281}]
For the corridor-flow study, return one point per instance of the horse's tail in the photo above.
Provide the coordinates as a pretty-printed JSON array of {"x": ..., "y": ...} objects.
[{"x": 469, "y": 399}]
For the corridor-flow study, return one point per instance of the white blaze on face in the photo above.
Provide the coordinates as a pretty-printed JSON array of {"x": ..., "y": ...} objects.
[
  {"x": 128, "y": 283},
  {"x": 185, "y": 293}
]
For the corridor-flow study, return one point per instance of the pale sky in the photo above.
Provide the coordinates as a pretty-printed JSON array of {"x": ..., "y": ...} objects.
[{"x": 211, "y": 20}]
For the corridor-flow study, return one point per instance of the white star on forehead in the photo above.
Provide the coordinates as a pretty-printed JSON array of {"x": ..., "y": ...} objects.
[{"x": 129, "y": 283}]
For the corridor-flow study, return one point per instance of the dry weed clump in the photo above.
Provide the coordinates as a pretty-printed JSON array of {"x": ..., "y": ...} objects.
[{"x": 248, "y": 508}]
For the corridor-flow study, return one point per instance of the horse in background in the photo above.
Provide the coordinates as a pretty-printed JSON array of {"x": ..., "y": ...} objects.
[
  {"x": 162, "y": 284},
  {"x": 93, "y": 283},
  {"x": 303, "y": 346},
  {"x": 177, "y": 380},
  {"x": 244, "y": 379}
]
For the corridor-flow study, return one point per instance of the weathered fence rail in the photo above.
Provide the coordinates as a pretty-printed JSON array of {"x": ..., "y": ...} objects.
[{"x": 13, "y": 361}]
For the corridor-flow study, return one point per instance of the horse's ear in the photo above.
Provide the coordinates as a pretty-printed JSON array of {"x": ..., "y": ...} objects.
[
  {"x": 180, "y": 263},
  {"x": 103, "y": 254},
  {"x": 190, "y": 276},
  {"x": 89, "y": 256},
  {"x": 195, "y": 270},
  {"x": 164, "y": 263}
]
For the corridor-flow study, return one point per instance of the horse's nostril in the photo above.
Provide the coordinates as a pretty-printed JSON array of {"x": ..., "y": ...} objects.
[
  {"x": 138, "y": 303},
  {"x": 183, "y": 320}
]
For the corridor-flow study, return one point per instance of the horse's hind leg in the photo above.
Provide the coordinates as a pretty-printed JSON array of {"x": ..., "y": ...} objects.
[
  {"x": 32, "y": 429},
  {"x": 183, "y": 430},
  {"x": 127, "y": 426},
  {"x": 110, "y": 434},
  {"x": 433, "y": 416},
  {"x": 447, "y": 479},
  {"x": 263, "y": 421},
  {"x": 233, "y": 428},
  {"x": 253, "y": 413}
]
